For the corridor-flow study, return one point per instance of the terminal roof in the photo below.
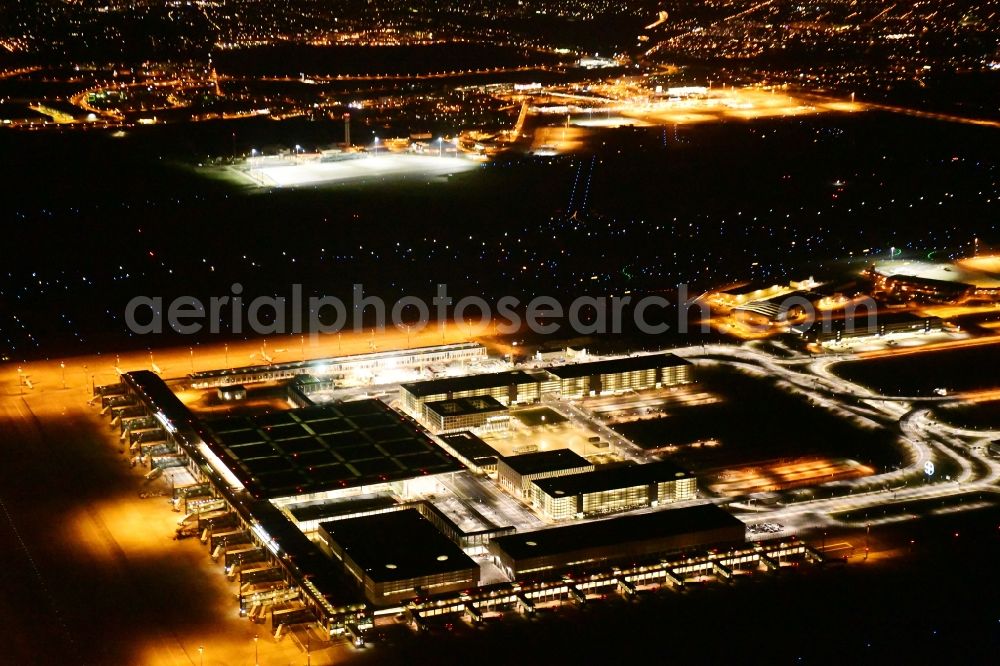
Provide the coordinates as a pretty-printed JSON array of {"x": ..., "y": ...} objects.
[
  {"x": 397, "y": 545},
  {"x": 465, "y": 406},
  {"x": 545, "y": 461},
  {"x": 471, "y": 447},
  {"x": 616, "y": 531},
  {"x": 342, "y": 507},
  {"x": 326, "y": 447}
]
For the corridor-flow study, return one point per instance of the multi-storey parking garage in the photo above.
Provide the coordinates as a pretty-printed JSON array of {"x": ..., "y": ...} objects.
[
  {"x": 507, "y": 388},
  {"x": 635, "y": 373},
  {"x": 515, "y": 473},
  {"x": 574, "y": 380},
  {"x": 611, "y": 489},
  {"x": 481, "y": 413}
]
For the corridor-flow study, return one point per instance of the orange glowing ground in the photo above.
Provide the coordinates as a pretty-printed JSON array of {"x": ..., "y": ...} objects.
[
  {"x": 784, "y": 475},
  {"x": 987, "y": 263},
  {"x": 938, "y": 346},
  {"x": 81, "y": 371}
]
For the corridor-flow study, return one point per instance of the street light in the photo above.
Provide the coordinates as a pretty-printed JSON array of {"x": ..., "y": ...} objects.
[
  {"x": 256, "y": 660},
  {"x": 440, "y": 146},
  {"x": 201, "y": 654},
  {"x": 376, "y": 146}
]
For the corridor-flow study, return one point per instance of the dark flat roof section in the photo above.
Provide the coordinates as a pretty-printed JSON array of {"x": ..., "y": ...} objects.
[
  {"x": 626, "y": 476},
  {"x": 326, "y": 447},
  {"x": 465, "y": 406},
  {"x": 341, "y": 507},
  {"x": 617, "y": 531},
  {"x": 544, "y": 461},
  {"x": 397, "y": 546},
  {"x": 471, "y": 447}
]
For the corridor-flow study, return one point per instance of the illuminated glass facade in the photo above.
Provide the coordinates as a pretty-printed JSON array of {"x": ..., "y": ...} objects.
[
  {"x": 575, "y": 380},
  {"x": 515, "y": 473},
  {"x": 611, "y": 490},
  {"x": 635, "y": 373},
  {"x": 478, "y": 413}
]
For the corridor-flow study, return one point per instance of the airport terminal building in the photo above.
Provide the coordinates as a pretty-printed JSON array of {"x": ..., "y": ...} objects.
[
  {"x": 328, "y": 451},
  {"x": 260, "y": 471},
  {"x": 301, "y": 502}
]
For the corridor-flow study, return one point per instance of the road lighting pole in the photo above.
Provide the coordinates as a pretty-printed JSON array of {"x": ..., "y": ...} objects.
[
  {"x": 376, "y": 146},
  {"x": 440, "y": 146},
  {"x": 62, "y": 366},
  {"x": 256, "y": 659},
  {"x": 201, "y": 655}
]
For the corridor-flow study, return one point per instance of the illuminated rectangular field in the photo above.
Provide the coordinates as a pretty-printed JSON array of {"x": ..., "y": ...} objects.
[{"x": 370, "y": 166}]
